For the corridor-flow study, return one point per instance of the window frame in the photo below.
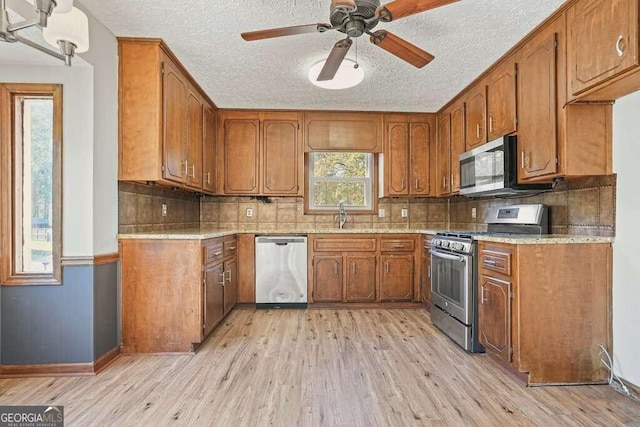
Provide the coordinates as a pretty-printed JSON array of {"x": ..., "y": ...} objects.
[
  {"x": 8, "y": 93},
  {"x": 308, "y": 209}
]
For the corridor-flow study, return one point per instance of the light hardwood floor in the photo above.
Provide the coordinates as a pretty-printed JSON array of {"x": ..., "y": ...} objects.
[{"x": 319, "y": 367}]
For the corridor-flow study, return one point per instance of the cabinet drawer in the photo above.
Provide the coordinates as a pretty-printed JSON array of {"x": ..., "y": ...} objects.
[
  {"x": 213, "y": 252},
  {"x": 230, "y": 247},
  {"x": 496, "y": 261},
  {"x": 397, "y": 245},
  {"x": 344, "y": 245}
]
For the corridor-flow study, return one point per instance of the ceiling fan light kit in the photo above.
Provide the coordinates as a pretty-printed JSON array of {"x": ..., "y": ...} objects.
[
  {"x": 348, "y": 75},
  {"x": 356, "y": 18},
  {"x": 64, "y": 27}
]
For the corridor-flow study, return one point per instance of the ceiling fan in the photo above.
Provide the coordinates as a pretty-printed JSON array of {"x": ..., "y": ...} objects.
[{"x": 358, "y": 17}]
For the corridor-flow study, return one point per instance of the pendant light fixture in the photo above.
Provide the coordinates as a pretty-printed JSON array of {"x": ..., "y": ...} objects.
[{"x": 64, "y": 27}]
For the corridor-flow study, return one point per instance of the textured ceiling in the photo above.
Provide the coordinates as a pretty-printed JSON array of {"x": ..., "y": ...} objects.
[{"x": 465, "y": 37}]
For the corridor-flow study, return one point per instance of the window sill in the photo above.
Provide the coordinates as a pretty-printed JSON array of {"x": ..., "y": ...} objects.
[{"x": 31, "y": 280}]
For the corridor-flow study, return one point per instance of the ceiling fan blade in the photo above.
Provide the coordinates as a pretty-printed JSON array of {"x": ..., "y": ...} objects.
[
  {"x": 346, "y": 5},
  {"x": 286, "y": 31},
  {"x": 401, "y": 48},
  {"x": 402, "y": 8},
  {"x": 334, "y": 60}
]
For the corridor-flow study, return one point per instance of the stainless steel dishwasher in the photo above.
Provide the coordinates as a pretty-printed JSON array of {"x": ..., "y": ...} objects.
[{"x": 281, "y": 271}]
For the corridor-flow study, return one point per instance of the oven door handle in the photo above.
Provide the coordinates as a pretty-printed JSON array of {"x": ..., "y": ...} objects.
[{"x": 447, "y": 256}]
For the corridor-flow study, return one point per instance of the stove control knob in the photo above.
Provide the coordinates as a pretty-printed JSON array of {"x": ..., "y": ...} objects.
[
  {"x": 445, "y": 244},
  {"x": 458, "y": 246}
]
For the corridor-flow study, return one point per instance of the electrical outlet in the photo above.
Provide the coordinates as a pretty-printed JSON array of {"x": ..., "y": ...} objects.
[
  {"x": 164, "y": 209},
  {"x": 473, "y": 213},
  {"x": 381, "y": 213},
  {"x": 405, "y": 213},
  {"x": 249, "y": 212}
]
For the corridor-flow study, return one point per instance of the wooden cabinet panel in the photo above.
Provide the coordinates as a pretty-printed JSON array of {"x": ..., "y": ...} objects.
[
  {"x": 603, "y": 41},
  {"x": 476, "y": 114},
  {"x": 360, "y": 284},
  {"x": 327, "y": 278},
  {"x": 343, "y": 131},
  {"x": 194, "y": 135},
  {"x": 537, "y": 95},
  {"x": 443, "y": 155},
  {"x": 419, "y": 154},
  {"x": 425, "y": 283},
  {"x": 213, "y": 297},
  {"x": 457, "y": 142},
  {"x": 281, "y": 156},
  {"x": 501, "y": 101},
  {"x": 344, "y": 244},
  {"x": 230, "y": 285},
  {"x": 397, "y": 158},
  {"x": 396, "y": 278},
  {"x": 241, "y": 153},
  {"x": 497, "y": 261},
  {"x": 213, "y": 252},
  {"x": 494, "y": 316},
  {"x": 209, "y": 150},
  {"x": 175, "y": 123}
]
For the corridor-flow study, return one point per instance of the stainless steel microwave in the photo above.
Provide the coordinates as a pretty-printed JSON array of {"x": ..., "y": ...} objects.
[{"x": 492, "y": 170}]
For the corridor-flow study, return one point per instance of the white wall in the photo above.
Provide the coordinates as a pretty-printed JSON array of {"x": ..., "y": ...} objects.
[
  {"x": 626, "y": 264},
  {"x": 77, "y": 150}
]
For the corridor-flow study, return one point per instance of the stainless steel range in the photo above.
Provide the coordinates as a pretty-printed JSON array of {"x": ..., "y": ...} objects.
[{"x": 454, "y": 277}]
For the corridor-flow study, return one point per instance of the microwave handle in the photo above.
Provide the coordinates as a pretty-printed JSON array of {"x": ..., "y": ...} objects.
[{"x": 447, "y": 256}]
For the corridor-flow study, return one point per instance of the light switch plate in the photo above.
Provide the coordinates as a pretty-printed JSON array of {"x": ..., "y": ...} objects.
[
  {"x": 473, "y": 213},
  {"x": 164, "y": 209},
  {"x": 249, "y": 212},
  {"x": 405, "y": 213},
  {"x": 382, "y": 213}
]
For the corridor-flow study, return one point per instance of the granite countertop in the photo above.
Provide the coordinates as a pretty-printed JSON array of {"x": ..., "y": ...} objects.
[{"x": 198, "y": 234}]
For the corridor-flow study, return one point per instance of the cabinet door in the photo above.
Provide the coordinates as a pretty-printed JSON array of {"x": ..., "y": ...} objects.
[
  {"x": 209, "y": 150},
  {"x": 443, "y": 167},
  {"x": 396, "y": 277},
  {"x": 537, "y": 90},
  {"x": 603, "y": 41},
  {"x": 174, "y": 108},
  {"x": 327, "y": 278},
  {"x": 501, "y": 101},
  {"x": 361, "y": 278},
  {"x": 281, "y": 157},
  {"x": 194, "y": 126},
  {"x": 397, "y": 158},
  {"x": 343, "y": 131},
  {"x": 426, "y": 276},
  {"x": 457, "y": 145},
  {"x": 213, "y": 297},
  {"x": 419, "y": 144},
  {"x": 475, "y": 129},
  {"x": 230, "y": 285},
  {"x": 241, "y": 151},
  {"x": 494, "y": 316}
]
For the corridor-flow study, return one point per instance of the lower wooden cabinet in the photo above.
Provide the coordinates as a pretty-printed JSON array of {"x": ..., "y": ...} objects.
[
  {"x": 174, "y": 292},
  {"x": 361, "y": 278},
  {"x": 545, "y": 309},
  {"x": 425, "y": 273},
  {"x": 396, "y": 277},
  {"x": 327, "y": 278}
]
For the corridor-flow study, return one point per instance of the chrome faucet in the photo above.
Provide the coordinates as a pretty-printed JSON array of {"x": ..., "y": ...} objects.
[{"x": 342, "y": 215}]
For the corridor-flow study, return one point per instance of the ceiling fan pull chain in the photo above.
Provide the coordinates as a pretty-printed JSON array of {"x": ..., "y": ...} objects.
[{"x": 357, "y": 65}]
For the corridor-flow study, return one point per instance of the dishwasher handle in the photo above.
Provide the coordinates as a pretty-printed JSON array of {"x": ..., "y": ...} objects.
[{"x": 280, "y": 241}]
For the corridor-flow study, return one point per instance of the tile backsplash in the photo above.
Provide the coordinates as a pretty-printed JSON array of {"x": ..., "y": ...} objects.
[{"x": 583, "y": 206}]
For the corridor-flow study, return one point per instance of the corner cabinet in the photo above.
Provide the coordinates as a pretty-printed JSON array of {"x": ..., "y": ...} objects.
[
  {"x": 175, "y": 292},
  {"x": 260, "y": 153},
  {"x": 531, "y": 297},
  {"x": 406, "y": 156},
  {"x": 162, "y": 124}
]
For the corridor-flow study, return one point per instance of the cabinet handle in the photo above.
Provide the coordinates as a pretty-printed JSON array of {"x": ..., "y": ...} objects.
[
  {"x": 208, "y": 178},
  {"x": 403, "y": 183},
  {"x": 186, "y": 168},
  {"x": 232, "y": 248},
  {"x": 429, "y": 272},
  {"x": 193, "y": 171},
  {"x": 522, "y": 159},
  {"x": 217, "y": 254},
  {"x": 222, "y": 277},
  {"x": 444, "y": 181},
  {"x": 353, "y": 267},
  {"x": 491, "y": 263},
  {"x": 482, "y": 299},
  {"x": 229, "y": 278},
  {"x": 452, "y": 180},
  {"x": 490, "y": 125},
  {"x": 620, "y": 46},
  {"x": 335, "y": 270},
  {"x": 478, "y": 131},
  {"x": 417, "y": 184},
  {"x": 386, "y": 267}
]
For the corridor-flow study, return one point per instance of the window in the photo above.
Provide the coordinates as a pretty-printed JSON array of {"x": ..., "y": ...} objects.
[
  {"x": 31, "y": 145},
  {"x": 341, "y": 176}
]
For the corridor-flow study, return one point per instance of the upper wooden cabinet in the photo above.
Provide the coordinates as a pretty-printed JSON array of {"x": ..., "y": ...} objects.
[
  {"x": 209, "y": 149},
  {"x": 259, "y": 153},
  {"x": 161, "y": 118},
  {"x": 343, "y": 131},
  {"x": 555, "y": 139},
  {"x": 450, "y": 144},
  {"x": 501, "y": 101},
  {"x": 406, "y": 159},
  {"x": 602, "y": 45},
  {"x": 476, "y": 118}
]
